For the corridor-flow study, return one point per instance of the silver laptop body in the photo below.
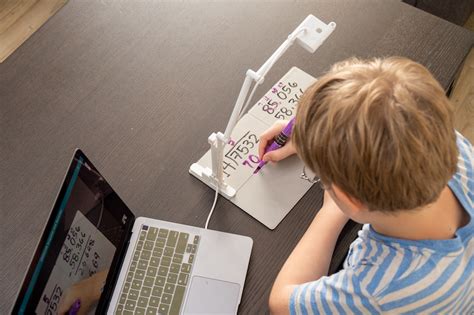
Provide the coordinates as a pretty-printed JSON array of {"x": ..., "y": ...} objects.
[{"x": 171, "y": 268}]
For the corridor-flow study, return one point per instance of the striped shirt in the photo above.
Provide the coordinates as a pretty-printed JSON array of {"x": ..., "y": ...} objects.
[{"x": 387, "y": 275}]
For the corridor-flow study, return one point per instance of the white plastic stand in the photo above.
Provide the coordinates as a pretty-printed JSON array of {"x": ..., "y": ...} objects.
[{"x": 310, "y": 34}]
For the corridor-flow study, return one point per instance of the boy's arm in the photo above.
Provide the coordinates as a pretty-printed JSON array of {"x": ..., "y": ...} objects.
[{"x": 310, "y": 259}]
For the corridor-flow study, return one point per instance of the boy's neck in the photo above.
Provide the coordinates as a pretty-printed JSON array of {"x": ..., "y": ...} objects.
[{"x": 436, "y": 221}]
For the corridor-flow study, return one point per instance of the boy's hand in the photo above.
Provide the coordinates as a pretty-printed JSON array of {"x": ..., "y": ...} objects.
[
  {"x": 266, "y": 139},
  {"x": 88, "y": 291}
]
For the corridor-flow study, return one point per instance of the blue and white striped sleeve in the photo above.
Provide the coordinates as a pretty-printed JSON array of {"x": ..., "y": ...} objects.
[
  {"x": 462, "y": 182},
  {"x": 340, "y": 293}
]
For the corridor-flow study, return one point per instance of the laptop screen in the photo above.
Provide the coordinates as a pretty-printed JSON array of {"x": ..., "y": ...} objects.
[{"x": 84, "y": 239}]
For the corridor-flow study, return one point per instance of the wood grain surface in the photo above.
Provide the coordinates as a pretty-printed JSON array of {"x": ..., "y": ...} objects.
[
  {"x": 462, "y": 97},
  {"x": 21, "y": 18},
  {"x": 139, "y": 86}
]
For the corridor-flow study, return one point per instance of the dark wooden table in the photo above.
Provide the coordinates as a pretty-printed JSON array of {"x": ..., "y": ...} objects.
[{"x": 139, "y": 86}]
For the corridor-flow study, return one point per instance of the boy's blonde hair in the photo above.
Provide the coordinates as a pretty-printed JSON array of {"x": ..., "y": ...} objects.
[{"x": 381, "y": 130}]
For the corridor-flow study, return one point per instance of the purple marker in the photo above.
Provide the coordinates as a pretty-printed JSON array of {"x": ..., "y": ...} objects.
[
  {"x": 278, "y": 142},
  {"x": 75, "y": 307}
]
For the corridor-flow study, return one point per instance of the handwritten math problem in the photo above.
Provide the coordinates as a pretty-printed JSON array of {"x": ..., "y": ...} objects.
[
  {"x": 77, "y": 250},
  {"x": 239, "y": 153},
  {"x": 282, "y": 91},
  {"x": 279, "y": 103}
]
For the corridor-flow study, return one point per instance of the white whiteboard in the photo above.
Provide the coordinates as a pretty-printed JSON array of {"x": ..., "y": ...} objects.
[{"x": 269, "y": 195}]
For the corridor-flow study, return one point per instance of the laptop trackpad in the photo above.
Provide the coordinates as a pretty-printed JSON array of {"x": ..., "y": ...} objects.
[{"x": 209, "y": 296}]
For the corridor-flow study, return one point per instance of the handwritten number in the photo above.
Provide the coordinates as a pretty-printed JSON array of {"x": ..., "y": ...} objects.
[
  {"x": 282, "y": 95},
  {"x": 294, "y": 84},
  {"x": 254, "y": 137},
  {"x": 253, "y": 159},
  {"x": 279, "y": 115}
]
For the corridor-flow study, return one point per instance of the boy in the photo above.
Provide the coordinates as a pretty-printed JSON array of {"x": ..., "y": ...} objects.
[{"x": 379, "y": 134}]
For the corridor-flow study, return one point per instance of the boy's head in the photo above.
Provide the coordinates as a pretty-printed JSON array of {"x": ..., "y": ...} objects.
[{"x": 380, "y": 130}]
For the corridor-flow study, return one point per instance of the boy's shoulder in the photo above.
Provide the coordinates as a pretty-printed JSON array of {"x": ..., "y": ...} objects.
[{"x": 382, "y": 274}]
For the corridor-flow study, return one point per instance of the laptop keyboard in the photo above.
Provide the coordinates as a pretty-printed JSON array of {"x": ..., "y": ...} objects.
[{"x": 158, "y": 273}]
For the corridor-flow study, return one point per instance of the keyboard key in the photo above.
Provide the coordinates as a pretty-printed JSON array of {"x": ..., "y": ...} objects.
[
  {"x": 140, "y": 274},
  {"x": 177, "y": 300},
  {"x": 125, "y": 312},
  {"x": 196, "y": 239},
  {"x": 172, "y": 278},
  {"x": 160, "y": 281},
  {"x": 186, "y": 268},
  {"x": 191, "y": 259},
  {"x": 142, "y": 264},
  {"x": 133, "y": 295},
  {"x": 126, "y": 287},
  {"x": 139, "y": 311},
  {"x": 136, "y": 284},
  {"x": 154, "y": 261},
  {"x": 168, "y": 252},
  {"x": 129, "y": 276},
  {"x": 160, "y": 242},
  {"x": 169, "y": 288},
  {"x": 183, "y": 278},
  {"x": 146, "y": 254},
  {"x": 152, "y": 234},
  {"x": 193, "y": 249},
  {"x": 182, "y": 241},
  {"x": 136, "y": 255},
  {"x": 172, "y": 239},
  {"x": 157, "y": 252},
  {"x": 142, "y": 301},
  {"x": 119, "y": 309},
  {"x": 178, "y": 258},
  {"x": 163, "y": 271},
  {"x": 142, "y": 235},
  {"x": 123, "y": 297},
  {"x": 174, "y": 268},
  {"x": 188, "y": 248},
  {"x": 166, "y": 298},
  {"x": 148, "y": 282},
  {"x": 151, "y": 271},
  {"x": 163, "y": 309},
  {"x": 163, "y": 233},
  {"x": 148, "y": 245},
  {"x": 146, "y": 291},
  {"x": 154, "y": 301},
  {"x": 133, "y": 265},
  {"x": 157, "y": 291},
  {"x": 139, "y": 245},
  {"x": 130, "y": 305},
  {"x": 166, "y": 261},
  {"x": 152, "y": 311}
]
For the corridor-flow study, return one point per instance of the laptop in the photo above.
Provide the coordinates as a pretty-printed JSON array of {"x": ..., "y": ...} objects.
[{"x": 95, "y": 254}]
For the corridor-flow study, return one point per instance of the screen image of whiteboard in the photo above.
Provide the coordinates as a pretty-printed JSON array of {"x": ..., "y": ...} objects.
[
  {"x": 269, "y": 195},
  {"x": 84, "y": 252}
]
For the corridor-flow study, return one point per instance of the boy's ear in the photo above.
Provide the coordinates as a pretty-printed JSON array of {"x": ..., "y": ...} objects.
[{"x": 352, "y": 204}]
